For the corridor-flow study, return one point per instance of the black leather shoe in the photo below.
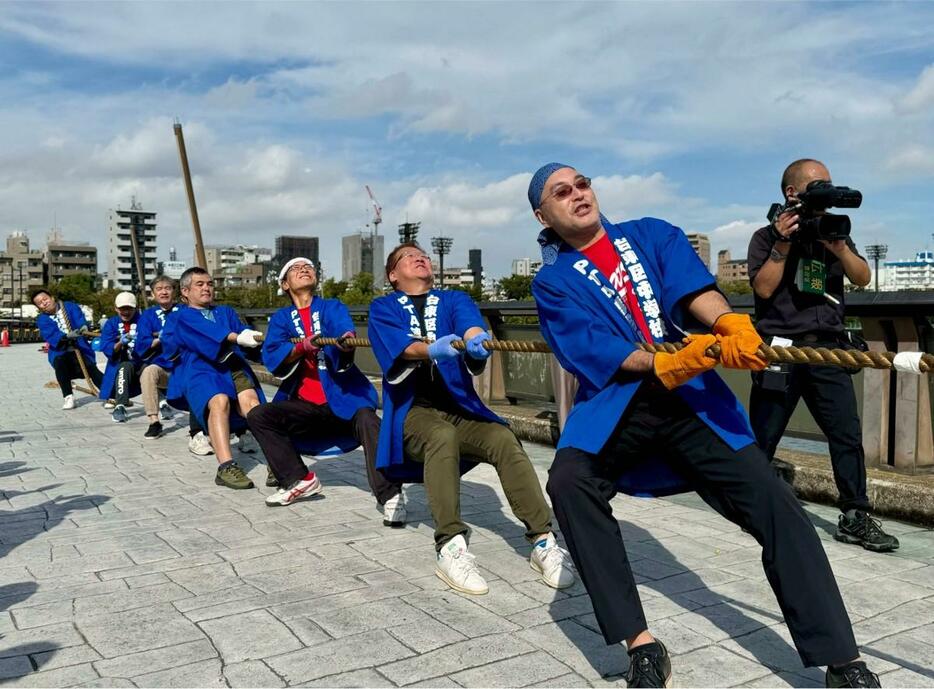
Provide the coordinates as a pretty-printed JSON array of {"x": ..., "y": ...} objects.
[
  {"x": 854, "y": 674},
  {"x": 649, "y": 666}
]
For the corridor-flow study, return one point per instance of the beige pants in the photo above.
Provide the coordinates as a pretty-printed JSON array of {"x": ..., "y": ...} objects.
[{"x": 152, "y": 379}]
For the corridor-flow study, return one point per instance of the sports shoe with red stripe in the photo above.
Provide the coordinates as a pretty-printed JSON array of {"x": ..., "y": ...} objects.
[{"x": 303, "y": 488}]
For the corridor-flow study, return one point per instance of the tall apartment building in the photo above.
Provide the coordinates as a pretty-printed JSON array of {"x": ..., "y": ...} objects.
[
  {"x": 475, "y": 264},
  {"x": 526, "y": 266},
  {"x": 20, "y": 270},
  {"x": 363, "y": 253},
  {"x": 122, "y": 264},
  {"x": 731, "y": 270},
  {"x": 701, "y": 244},
  {"x": 63, "y": 258}
]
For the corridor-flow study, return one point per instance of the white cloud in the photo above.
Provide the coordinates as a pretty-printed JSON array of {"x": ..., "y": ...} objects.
[
  {"x": 290, "y": 108},
  {"x": 921, "y": 97}
]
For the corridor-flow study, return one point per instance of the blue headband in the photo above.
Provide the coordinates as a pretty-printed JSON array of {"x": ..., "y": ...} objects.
[{"x": 537, "y": 185}]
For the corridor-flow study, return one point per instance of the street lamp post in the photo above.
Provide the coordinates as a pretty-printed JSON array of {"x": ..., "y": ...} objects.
[
  {"x": 877, "y": 252},
  {"x": 442, "y": 246}
]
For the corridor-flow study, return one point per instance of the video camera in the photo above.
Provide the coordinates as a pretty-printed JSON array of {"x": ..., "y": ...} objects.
[{"x": 814, "y": 224}]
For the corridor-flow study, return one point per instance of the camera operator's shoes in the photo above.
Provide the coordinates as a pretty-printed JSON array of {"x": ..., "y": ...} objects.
[
  {"x": 861, "y": 529},
  {"x": 854, "y": 674},
  {"x": 649, "y": 666}
]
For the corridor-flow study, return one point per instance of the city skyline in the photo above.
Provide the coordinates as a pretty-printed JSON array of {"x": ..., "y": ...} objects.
[{"x": 286, "y": 126}]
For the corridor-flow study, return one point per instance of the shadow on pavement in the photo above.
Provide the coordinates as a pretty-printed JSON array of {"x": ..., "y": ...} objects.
[{"x": 17, "y": 527}]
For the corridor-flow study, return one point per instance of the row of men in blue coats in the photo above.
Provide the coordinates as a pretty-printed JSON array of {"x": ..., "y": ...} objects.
[{"x": 647, "y": 424}]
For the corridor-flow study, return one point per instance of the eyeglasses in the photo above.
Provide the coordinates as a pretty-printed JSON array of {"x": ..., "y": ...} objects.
[
  {"x": 407, "y": 255},
  {"x": 563, "y": 191},
  {"x": 298, "y": 267}
]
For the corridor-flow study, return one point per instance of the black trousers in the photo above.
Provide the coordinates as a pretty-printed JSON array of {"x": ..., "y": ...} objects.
[
  {"x": 828, "y": 393},
  {"x": 127, "y": 377},
  {"x": 67, "y": 369},
  {"x": 739, "y": 484},
  {"x": 275, "y": 423}
]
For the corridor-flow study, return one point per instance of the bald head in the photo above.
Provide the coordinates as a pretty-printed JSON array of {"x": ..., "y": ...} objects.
[{"x": 801, "y": 173}]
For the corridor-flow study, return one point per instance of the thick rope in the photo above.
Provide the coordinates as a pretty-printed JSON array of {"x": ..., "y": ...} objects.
[
  {"x": 78, "y": 355},
  {"x": 814, "y": 356}
]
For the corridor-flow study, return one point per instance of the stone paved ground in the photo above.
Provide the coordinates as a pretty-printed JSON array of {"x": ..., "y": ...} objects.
[{"x": 122, "y": 564}]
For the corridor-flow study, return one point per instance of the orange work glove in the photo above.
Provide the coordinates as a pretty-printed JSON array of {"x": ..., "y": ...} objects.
[
  {"x": 739, "y": 342},
  {"x": 678, "y": 368}
]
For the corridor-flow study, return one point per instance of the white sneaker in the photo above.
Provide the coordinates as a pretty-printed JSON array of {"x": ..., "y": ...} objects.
[
  {"x": 302, "y": 488},
  {"x": 552, "y": 562},
  {"x": 200, "y": 444},
  {"x": 394, "y": 512},
  {"x": 248, "y": 443},
  {"x": 166, "y": 411},
  {"x": 69, "y": 402},
  {"x": 458, "y": 569},
  {"x": 110, "y": 404}
]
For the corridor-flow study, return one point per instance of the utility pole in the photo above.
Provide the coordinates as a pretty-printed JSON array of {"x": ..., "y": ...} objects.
[
  {"x": 877, "y": 252},
  {"x": 20, "y": 266},
  {"x": 442, "y": 246},
  {"x": 200, "y": 258}
]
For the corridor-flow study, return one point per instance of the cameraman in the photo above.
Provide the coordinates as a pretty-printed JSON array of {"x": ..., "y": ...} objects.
[{"x": 809, "y": 312}]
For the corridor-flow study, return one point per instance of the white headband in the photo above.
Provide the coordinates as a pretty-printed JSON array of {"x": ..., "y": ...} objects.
[{"x": 285, "y": 269}]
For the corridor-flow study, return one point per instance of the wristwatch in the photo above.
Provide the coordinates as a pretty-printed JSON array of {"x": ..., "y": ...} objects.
[{"x": 777, "y": 255}]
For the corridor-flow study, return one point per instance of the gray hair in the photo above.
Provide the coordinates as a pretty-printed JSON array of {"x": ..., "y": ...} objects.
[{"x": 184, "y": 282}]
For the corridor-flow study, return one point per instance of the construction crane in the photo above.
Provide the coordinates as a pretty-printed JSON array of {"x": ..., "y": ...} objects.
[{"x": 377, "y": 210}]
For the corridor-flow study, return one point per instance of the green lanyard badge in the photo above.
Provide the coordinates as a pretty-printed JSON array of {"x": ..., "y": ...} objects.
[{"x": 812, "y": 276}]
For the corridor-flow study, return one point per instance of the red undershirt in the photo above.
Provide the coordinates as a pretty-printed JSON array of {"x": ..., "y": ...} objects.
[
  {"x": 603, "y": 255},
  {"x": 310, "y": 388}
]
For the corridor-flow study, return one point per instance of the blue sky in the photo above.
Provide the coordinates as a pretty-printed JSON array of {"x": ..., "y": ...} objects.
[{"x": 686, "y": 111}]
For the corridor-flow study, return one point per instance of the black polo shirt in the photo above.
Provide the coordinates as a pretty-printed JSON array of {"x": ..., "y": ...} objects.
[{"x": 789, "y": 311}]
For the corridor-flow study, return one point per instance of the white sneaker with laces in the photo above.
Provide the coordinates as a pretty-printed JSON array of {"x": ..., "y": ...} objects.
[
  {"x": 552, "y": 562},
  {"x": 302, "y": 488},
  {"x": 247, "y": 443},
  {"x": 69, "y": 402},
  {"x": 110, "y": 404},
  {"x": 166, "y": 411},
  {"x": 394, "y": 512},
  {"x": 200, "y": 444},
  {"x": 458, "y": 569}
]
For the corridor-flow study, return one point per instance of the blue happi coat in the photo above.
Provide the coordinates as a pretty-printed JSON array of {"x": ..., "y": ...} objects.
[
  {"x": 393, "y": 326},
  {"x": 110, "y": 336},
  {"x": 201, "y": 344},
  {"x": 346, "y": 388},
  {"x": 53, "y": 329},
  {"x": 591, "y": 333},
  {"x": 151, "y": 324}
]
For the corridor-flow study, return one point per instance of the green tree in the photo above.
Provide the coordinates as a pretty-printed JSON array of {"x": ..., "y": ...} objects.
[
  {"x": 360, "y": 291},
  {"x": 78, "y": 288},
  {"x": 735, "y": 287},
  {"x": 517, "y": 287},
  {"x": 333, "y": 289}
]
